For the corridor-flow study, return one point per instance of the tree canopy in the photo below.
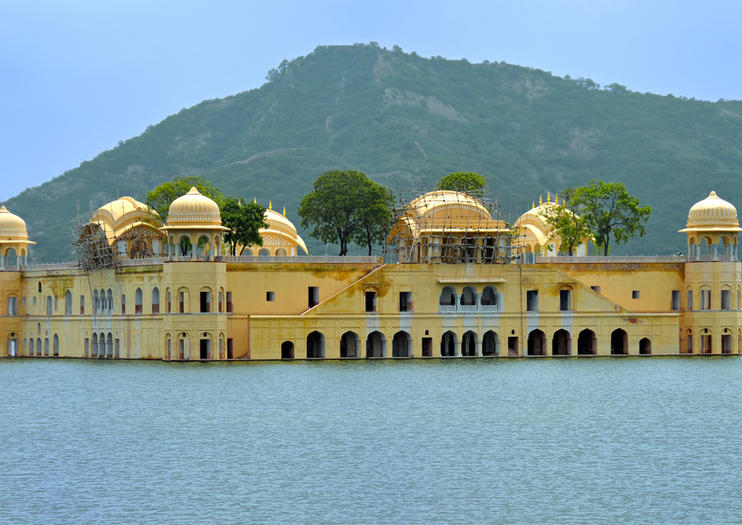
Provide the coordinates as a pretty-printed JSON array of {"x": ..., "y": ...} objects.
[
  {"x": 463, "y": 181},
  {"x": 163, "y": 195},
  {"x": 344, "y": 206},
  {"x": 609, "y": 211},
  {"x": 571, "y": 229},
  {"x": 244, "y": 220}
]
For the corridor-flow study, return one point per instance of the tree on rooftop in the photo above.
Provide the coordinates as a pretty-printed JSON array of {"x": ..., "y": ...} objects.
[
  {"x": 463, "y": 181},
  {"x": 244, "y": 220},
  {"x": 610, "y": 211},
  {"x": 343, "y": 206},
  {"x": 571, "y": 229}
]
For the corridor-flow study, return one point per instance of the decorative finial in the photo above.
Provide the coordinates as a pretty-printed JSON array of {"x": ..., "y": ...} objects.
[
  {"x": 284, "y": 211},
  {"x": 254, "y": 200},
  {"x": 533, "y": 205},
  {"x": 548, "y": 196},
  {"x": 3, "y": 209},
  {"x": 540, "y": 200},
  {"x": 556, "y": 198},
  {"x": 270, "y": 205}
]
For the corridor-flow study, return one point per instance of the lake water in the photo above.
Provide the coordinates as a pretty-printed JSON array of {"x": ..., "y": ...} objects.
[{"x": 622, "y": 440}]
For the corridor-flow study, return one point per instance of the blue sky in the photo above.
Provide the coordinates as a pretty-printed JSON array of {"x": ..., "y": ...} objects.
[{"x": 76, "y": 77}]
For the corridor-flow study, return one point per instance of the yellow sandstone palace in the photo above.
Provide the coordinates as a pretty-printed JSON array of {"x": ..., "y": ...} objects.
[{"x": 459, "y": 288}]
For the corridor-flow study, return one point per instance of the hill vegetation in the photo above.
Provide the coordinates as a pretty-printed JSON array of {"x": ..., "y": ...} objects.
[{"x": 406, "y": 121}]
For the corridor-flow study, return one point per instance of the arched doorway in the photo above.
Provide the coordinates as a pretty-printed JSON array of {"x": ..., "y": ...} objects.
[
  {"x": 315, "y": 345},
  {"x": 489, "y": 298},
  {"x": 448, "y": 344},
  {"x": 375, "y": 345},
  {"x": 586, "y": 342},
  {"x": 287, "y": 350},
  {"x": 448, "y": 296},
  {"x": 561, "y": 343},
  {"x": 401, "y": 344},
  {"x": 619, "y": 342},
  {"x": 349, "y": 345},
  {"x": 469, "y": 344},
  {"x": 536, "y": 343},
  {"x": 490, "y": 344},
  {"x": 645, "y": 346},
  {"x": 468, "y": 296}
]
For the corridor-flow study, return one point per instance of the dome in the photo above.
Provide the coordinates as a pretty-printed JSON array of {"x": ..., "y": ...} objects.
[
  {"x": 194, "y": 211},
  {"x": 282, "y": 228},
  {"x": 712, "y": 214},
  {"x": 119, "y": 216},
  {"x": 12, "y": 227}
]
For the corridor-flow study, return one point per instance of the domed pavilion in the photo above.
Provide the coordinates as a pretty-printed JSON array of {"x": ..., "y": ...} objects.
[
  {"x": 14, "y": 241},
  {"x": 712, "y": 229},
  {"x": 280, "y": 238},
  {"x": 194, "y": 227}
]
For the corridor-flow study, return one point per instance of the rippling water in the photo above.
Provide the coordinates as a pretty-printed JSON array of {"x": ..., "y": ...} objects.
[{"x": 520, "y": 441}]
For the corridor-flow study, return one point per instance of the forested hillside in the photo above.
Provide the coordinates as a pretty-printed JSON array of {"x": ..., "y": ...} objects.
[{"x": 406, "y": 121}]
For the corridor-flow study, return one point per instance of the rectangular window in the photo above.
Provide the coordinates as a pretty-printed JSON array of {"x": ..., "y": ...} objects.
[
  {"x": 532, "y": 300},
  {"x": 705, "y": 299},
  {"x": 12, "y": 305},
  {"x": 270, "y": 296},
  {"x": 405, "y": 301},
  {"x": 230, "y": 308},
  {"x": 725, "y": 299},
  {"x": 312, "y": 296},
  {"x": 427, "y": 347},
  {"x": 181, "y": 302},
  {"x": 675, "y": 300},
  {"x": 123, "y": 304},
  {"x": 370, "y": 301},
  {"x": 690, "y": 300},
  {"x": 595, "y": 289},
  {"x": 565, "y": 300},
  {"x": 635, "y": 294},
  {"x": 230, "y": 348},
  {"x": 205, "y": 302}
]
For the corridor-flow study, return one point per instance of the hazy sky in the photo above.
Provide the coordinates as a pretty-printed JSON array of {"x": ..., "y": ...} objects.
[{"x": 76, "y": 77}]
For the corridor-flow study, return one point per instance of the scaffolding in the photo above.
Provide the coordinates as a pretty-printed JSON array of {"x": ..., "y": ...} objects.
[
  {"x": 454, "y": 233},
  {"x": 91, "y": 247}
]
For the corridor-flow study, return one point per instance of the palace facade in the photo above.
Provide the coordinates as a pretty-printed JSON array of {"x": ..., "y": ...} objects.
[{"x": 464, "y": 285}]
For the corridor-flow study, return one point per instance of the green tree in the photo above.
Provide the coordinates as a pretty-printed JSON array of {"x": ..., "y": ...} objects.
[
  {"x": 463, "y": 181},
  {"x": 338, "y": 207},
  {"x": 571, "y": 229},
  {"x": 609, "y": 211},
  {"x": 163, "y": 195},
  {"x": 244, "y": 220},
  {"x": 375, "y": 214}
]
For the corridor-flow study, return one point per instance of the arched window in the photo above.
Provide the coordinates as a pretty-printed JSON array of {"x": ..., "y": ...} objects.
[
  {"x": 468, "y": 296},
  {"x": 46, "y": 346},
  {"x": 448, "y": 344},
  {"x": 55, "y": 346},
  {"x": 185, "y": 248},
  {"x": 726, "y": 341},
  {"x": 67, "y": 303},
  {"x": 706, "y": 341},
  {"x": 490, "y": 344},
  {"x": 96, "y": 302},
  {"x": 109, "y": 300},
  {"x": 469, "y": 344},
  {"x": 264, "y": 252},
  {"x": 401, "y": 344},
  {"x": 183, "y": 300},
  {"x": 109, "y": 345},
  {"x": 287, "y": 350},
  {"x": 489, "y": 298},
  {"x": 349, "y": 344},
  {"x": 448, "y": 296},
  {"x": 561, "y": 343},
  {"x": 375, "y": 345},
  {"x": 205, "y": 300},
  {"x": 619, "y": 342},
  {"x": 138, "y": 301},
  {"x": 536, "y": 343},
  {"x": 315, "y": 345},
  {"x": 155, "y": 300},
  {"x": 586, "y": 342},
  {"x": 48, "y": 305},
  {"x": 645, "y": 346},
  {"x": 30, "y": 346}
]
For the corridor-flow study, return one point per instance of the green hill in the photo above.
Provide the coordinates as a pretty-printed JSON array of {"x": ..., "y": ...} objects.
[{"x": 406, "y": 121}]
